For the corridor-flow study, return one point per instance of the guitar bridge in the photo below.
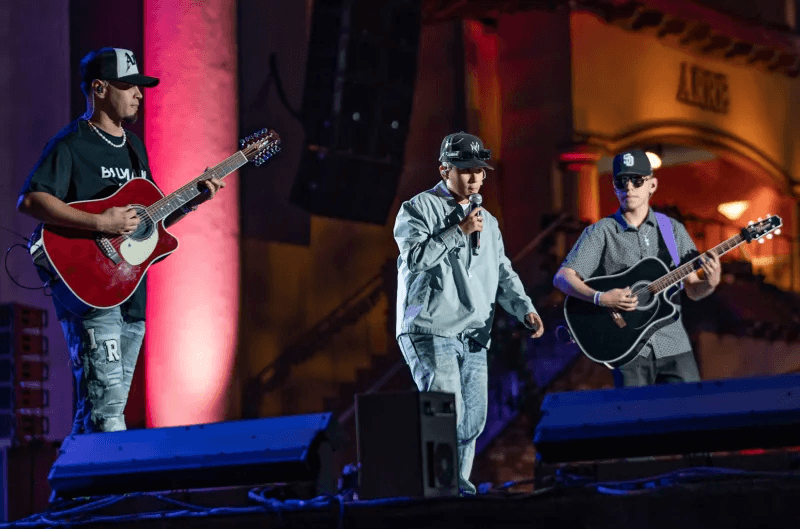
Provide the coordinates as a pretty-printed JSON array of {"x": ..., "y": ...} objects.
[
  {"x": 617, "y": 317},
  {"x": 108, "y": 249}
]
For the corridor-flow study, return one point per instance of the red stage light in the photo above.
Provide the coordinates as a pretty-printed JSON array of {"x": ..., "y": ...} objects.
[{"x": 193, "y": 295}]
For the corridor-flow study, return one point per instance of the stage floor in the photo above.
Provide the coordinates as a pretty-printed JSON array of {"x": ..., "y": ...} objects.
[{"x": 759, "y": 490}]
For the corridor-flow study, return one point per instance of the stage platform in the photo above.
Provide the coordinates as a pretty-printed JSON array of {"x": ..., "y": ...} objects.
[{"x": 758, "y": 489}]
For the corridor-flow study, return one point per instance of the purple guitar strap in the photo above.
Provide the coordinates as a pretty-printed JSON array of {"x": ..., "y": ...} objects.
[{"x": 665, "y": 227}]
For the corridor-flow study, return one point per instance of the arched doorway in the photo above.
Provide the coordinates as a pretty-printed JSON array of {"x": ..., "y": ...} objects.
[{"x": 716, "y": 183}]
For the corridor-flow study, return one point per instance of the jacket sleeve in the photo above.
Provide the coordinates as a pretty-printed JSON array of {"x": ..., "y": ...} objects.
[
  {"x": 510, "y": 292},
  {"x": 420, "y": 248}
]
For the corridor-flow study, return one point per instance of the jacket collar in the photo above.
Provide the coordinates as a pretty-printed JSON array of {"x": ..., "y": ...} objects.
[{"x": 441, "y": 191}]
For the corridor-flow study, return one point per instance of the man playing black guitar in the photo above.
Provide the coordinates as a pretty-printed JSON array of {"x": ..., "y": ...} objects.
[{"x": 620, "y": 241}]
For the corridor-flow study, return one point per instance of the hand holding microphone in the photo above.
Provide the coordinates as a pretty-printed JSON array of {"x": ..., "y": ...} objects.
[
  {"x": 472, "y": 225},
  {"x": 476, "y": 200}
]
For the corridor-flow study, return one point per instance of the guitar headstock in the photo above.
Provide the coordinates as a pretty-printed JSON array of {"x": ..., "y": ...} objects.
[
  {"x": 763, "y": 228},
  {"x": 260, "y": 146}
]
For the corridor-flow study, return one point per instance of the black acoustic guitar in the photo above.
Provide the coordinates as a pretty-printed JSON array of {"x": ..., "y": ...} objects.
[{"x": 613, "y": 337}]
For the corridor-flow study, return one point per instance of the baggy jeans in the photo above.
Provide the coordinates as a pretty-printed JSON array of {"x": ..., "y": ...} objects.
[
  {"x": 103, "y": 350},
  {"x": 453, "y": 365}
]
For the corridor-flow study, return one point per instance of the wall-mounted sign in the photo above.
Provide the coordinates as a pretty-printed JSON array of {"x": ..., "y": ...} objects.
[{"x": 703, "y": 88}]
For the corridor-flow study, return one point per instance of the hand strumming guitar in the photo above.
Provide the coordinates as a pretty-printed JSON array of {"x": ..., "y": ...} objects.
[
  {"x": 620, "y": 299},
  {"x": 118, "y": 220}
]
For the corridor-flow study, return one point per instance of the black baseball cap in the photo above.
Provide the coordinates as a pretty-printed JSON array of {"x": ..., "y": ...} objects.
[
  {"x": 633, "y": 162},
  {"x": 464, "y": 151},
  {"x": 114, "y": 64}
]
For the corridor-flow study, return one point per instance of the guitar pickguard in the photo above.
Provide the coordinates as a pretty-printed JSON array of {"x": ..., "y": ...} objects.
[{"x": 135, "y": 251}]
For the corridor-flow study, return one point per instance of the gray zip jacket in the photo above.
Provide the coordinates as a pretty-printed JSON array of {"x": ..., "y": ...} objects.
[{"x": 442, "y": 288}]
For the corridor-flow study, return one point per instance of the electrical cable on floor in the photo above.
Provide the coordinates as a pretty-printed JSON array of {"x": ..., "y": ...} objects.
[{"x": 71, "y": 515}]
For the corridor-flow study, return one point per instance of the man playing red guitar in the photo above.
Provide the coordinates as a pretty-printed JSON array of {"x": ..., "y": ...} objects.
[{"x": 90, "y": 159}]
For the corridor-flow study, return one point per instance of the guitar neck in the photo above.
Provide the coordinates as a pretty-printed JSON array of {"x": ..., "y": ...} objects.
[
  {"x": 680, "y": 273},
  {"x": 179, "y": 198}
]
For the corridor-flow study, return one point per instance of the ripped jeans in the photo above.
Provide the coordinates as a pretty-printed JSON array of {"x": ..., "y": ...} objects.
[
  {"x": 453, "y": 365},
  {"x": 103, "y": 350}
]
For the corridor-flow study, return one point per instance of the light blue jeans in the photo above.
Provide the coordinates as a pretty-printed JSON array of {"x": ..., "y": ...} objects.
[
  {"x": 453, "y": 365},
  {"x": 103, "y": 350}
]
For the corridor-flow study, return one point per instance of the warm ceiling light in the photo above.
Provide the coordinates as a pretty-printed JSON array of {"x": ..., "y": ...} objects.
[
  {"x": 655, "y": 160},
  {"x": 733, "y": 210}
]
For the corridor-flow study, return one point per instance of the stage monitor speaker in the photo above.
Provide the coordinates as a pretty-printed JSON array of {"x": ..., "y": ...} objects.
[
  {"x": 259, "y": 451},
  {"x": 736, "y": 414},
  {"x": 407, "y": 444},
  {"x": 357, "y": 100}
]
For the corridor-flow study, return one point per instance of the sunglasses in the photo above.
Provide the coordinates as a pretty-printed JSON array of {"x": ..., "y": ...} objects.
[{"x": 621, "y": 181}]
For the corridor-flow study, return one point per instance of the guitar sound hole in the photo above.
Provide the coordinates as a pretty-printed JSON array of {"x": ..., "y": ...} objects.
[
  {"x": 146, "y": 226},
  {"x": 646, "y": 297}
]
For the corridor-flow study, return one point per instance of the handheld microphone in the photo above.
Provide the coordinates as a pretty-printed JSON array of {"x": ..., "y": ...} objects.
[{"x": 476, "y": 200}]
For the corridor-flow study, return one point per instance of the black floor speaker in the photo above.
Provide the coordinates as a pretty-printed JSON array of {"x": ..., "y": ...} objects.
[
  {"x": 407, "y": 444},
  {"x": 293, "y": 449},
  {"x": 712, "y": 416}
]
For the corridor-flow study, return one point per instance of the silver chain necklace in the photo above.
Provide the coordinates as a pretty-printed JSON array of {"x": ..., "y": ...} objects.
[{"x": 124, "y": 136}]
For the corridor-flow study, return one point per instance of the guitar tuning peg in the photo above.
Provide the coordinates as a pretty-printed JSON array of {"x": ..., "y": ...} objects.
[
  {"x": 761, "y": 241},
  {"x": 750, "y": 223},
  {"x": 769, "y": 236},
  {"x": 778, "y": 231},
  {"x": 760, "y": 219},
  {"x": 263, "y": 131}
]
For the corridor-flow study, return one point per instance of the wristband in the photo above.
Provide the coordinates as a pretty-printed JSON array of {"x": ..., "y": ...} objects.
[{"x": 597, "y": 295}]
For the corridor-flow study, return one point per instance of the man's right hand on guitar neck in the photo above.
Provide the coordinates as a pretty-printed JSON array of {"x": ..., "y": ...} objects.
[
  {"x": 118, "y": 220},
  {"x": 620, "y": 299}
]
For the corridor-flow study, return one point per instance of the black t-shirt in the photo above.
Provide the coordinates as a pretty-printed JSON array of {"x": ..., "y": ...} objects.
[{"x": 77, "y": 164}]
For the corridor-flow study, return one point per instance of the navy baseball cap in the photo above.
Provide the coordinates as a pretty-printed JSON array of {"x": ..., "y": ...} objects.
[
  {"x": 464, "y": 151},
  {"x": 633, "y": 162},
  {"x": 114, "y": 64}
]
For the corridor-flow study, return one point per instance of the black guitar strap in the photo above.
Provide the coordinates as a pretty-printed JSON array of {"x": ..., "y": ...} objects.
[{"x": 138, "y": 161}]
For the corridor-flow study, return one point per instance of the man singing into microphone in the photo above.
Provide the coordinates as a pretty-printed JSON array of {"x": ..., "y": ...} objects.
[{"x": 452, "y": 270}]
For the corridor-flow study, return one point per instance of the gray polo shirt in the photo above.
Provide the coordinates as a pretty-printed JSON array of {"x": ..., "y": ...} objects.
[{"x": 611, "y": 246}]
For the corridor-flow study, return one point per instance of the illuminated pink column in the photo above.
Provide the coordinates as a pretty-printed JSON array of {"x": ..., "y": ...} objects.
[{"x": 193, "y": 295}]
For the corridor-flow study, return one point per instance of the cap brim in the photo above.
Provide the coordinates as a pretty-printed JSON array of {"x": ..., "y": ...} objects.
[
  {"x": 632, "y": 173},
  {"x": 140, "y": 80},
  {"x": 469, "y": 164}
]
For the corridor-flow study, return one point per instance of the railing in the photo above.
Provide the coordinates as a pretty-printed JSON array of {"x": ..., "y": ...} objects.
[{"x": 348, "y": 313}]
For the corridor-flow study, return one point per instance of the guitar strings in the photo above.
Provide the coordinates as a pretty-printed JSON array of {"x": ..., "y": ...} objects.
[
  {"x": 148, "y": 220},
  {"x": 657, "y": 286}
]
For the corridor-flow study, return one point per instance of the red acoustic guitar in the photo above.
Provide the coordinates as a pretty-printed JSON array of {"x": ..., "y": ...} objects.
[{"x": 88, "y": 270}]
